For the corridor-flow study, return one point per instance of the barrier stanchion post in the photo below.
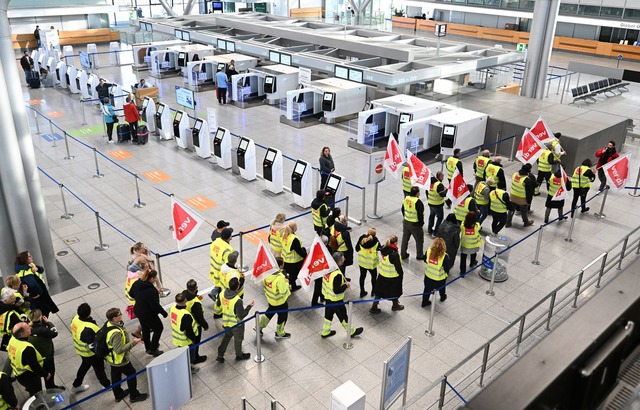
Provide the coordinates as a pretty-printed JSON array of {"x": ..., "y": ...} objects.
[
  {"x": 564, "y": 87},
  {"x": 535, "y": 260},
  {"x": 95, "y": 159},
  {"x": 259, "y": 357},
  {"x": 604, "y": 265},
  {"x": 363, "y": 218},
  {"x": 551, "y": 306},
  {"x": 443, "y": 388},
  {"x": 84, "y": 116},
  {"x": 35, "y": 115},
  {"x": 66, "y": 144},
  {"x": 164, "y": 292},
  {"x": 624, "y": 249},
  {"x": 429, "y": 332},
  {"x": 519, "y": 339},
  {"x": 104, "y": 127},
  {"x": 138, "y": 204},
  {"x": 575, "y": 298},
  {"x": 347, "y": 344},
  {"x": 243, "y": 268},
  {"x": 495, "y": 149},
  {"x": 513, "y": 146},
  {"x": 600, "y": 214},
  {"x": 375, "y": 215},
  {"x": 635, "y": 187},
  {"x": 66, "y": 214},
  {"x": 53, "y": 137},
  {"x": 483, "y": 368},
  {"x": 573, "y": 222},
  {"x": 346, "y": 206},
  {"x": 102, "y": 246},
  {"x": 490, "y": 292}
]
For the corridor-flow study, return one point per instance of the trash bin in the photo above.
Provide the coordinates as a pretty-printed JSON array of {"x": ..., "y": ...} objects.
[
  {"x": 492, "y": 245},
  {"x": 50, "y": 399}
]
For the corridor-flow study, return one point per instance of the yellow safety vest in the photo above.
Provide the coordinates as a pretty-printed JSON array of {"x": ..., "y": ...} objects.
[
  {"x": 3, "y": 403},
  {"x": 387, "y": 269},
  {"x": 341, "y": 245},
  {"x": 229, "y": 318},
  {"x": 327, "y": 286},
  {"x": 433, "y": 197},
  {"x": 218, "y": 251},
  {"x": 5, "y": 320},
  {"x": 553, "y": 147},
  {"x": 27, "y": 272},
  {"x": 77, "y": 327},
  {"x": 318, "y": 220},
  {"x": 435, "y": 268},
  {"x": 462, "y": 209},
  {"x": 288, "y": 255},
  {"x": 273, "y": 289},
  {"x": 192, "y": 302},
  {"x": 368, "y": 257},
  {"x": 470, "y": 237},
  {"x": 113, "y": 357},
  {"x": 179, "y": 337},
  {"x": 15, "y": 349},
  {"x": 406, "y": 179},
  {"x": 481, "y": 165},
  {"x": 492, "y": 171},
  {"x": 578, "y": 180},
  {"x": 543, "y": 161},
  {"x": 495, "y": 199},
  {"x": 127, "y": 288},
  {"x": 477, "y": 194},
  {"x": 409, "y": 206},
  {"x": 554, "y": 184},
  {"x": 452, "y": 163},
  {"x": 275, "y": 240},
  {"x": 517, "y": 185}
]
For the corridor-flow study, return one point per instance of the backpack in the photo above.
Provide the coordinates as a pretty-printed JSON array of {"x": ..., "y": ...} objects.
[{"x": 100, "y": 346}]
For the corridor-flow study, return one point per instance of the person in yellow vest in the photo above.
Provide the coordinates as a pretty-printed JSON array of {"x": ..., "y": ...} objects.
[
  {"x": 218, "y": 252},
  {"x": 120, "y": 345},
  {"x": 480, "y": 164},
  {"x": 228, "y": 271},
  {"x": 499, "y": 205},
  {"x": 481, "y": 194},
  {"x": 465, "y": 206},
  {"x": 320, "y": 211},
  {"x": 83, "y": 331},
  {"x": 389, "y": 283},
  {"x": 545, "y": 164},
  {"x": 495, "y": 171},
  {"x": 293, "y": 253},
  {"x": 470, "y": 241},
  {"x": 368, "y": 247},
  {"x": 406, "y": 180},
  {"x": 42, "y": 334},
  {"x": 234, "y": 313},
  {"x": 194, "y": 306},
  {"x": 13, "y": 282},
  {"x": 413, "y": 213},
  {"x": 275, "y": 241},
  {"x": 453, "y": 163},
  {"x": 556, "y": 148},
  {"x": 8, "y": 399},
  {"x": 436, "y": 272},
  {"x": 581, "y": 181},
  {"x": 435, "y": 199},
  {"x": 554, "y": 186},
  {"x": 184, "y": 328},
  {"x": 277, "y": 292},
  {"x": 26, "y": 362},
  {"x": 342, "y": 233},
  {"x": 32, "y": 275},
  {"x": 9, "y": 317},
  {"x": 334, "y": 285},
  {"x": 522, "y": 187}
]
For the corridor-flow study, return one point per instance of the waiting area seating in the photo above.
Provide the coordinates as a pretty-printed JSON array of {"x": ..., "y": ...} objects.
[{"x": 588, "y": 92}]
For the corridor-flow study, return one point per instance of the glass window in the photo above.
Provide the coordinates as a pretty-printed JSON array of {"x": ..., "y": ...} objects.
[
  {"x": 632, "y": 14},
  {"x": 526, "y": 4},
  {"x": 492, "y": 3},
  {"x": 568, "y": 9},
  {"x": 611, "y": 12},
  {"x": 589, "y": 10},
  {"x": 480, "y": 2}
]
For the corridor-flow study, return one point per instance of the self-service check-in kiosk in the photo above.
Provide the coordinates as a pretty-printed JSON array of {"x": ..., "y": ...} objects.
[
  {"x": 92, "y": 83},
  {"x": 200, "y": 138},
  {"x": 163, "y": 122},
  {"x": 116, "y": 96},
  {"x": 61, "y": 74},
  {"x": 149, "y": 113},
  {"x": 222, "y": 147},
  {"x": 71, "y": 79},
  {"x": 92, "y": 50},
  {"x": 334, "y": 189},
  {"x": 301, "y": 184},
  {"x": 81, "y": 83},
  {"x": 328, "y": 101},
  {"x": 246, "y": 156},
  {"x": 180, "y": 129},
  {"x": 272, "y": 171},
  {"x": 270, "y": 85}
]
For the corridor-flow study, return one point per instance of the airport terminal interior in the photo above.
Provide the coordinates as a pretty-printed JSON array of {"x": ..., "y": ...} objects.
[{"x": 301, "y": 372}]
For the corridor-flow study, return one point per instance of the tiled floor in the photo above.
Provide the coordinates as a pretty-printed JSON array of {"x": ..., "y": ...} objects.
[{"x": 302, "y": 371}]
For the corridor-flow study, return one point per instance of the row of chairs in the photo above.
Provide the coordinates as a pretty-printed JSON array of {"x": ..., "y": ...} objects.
[{"x": 588, "y": 92}]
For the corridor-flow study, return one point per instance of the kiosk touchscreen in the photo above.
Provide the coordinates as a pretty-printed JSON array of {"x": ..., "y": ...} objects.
[
  {"x": 163, "y": 122},
  {"x": 149, "y": 113},
  {"x": 183, "y": 59},
  {"x": 222, "y": 147},
  {"x": 301, "y": 184},
  {"x": 200, "y": 138},
  {"x": 272, "y": 170},
  {"x": 328, "y": 101},
  {"x": 246, "y": 156},
  {"x": 448, "y": 139},
  {"x": 269, "y": 84},
  {"x": 334, "y": 189},
  {"x": 180, "y": 129}
]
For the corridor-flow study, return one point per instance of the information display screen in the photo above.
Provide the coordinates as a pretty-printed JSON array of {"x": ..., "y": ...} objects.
[
  {"x": 328, "y": 96},
  {"x": 285, "y": 59},
  {"x": 198, "y": 125},
  {"x": 186, "y": 36},
  {"x": 178, "y": 116},
  {"x": 271, "y": 156},
  {"x": 355, "y": 75},
  {"x": 231, "y": 46},
  {"x": 333, "y": 182},
  {"x": 340, "y": 72},
  {"x": 244, "y": 143},
  {"x": 222, "y": 44},
  {"x": 145, "y": 103},
  {"x": 185, "y": 97},
  {"x": 300, "y": 167},
  {"x": 273, "y": 56},
  {"x": 268, "y": 80},
  {"x": 221, "y": 66},
  {"x": 405, "y": 118},
  {"x": 449, "y": 130},
  {"x": 216, "y": 6}
]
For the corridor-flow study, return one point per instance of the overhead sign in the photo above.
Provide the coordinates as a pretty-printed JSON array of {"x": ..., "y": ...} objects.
[{"x": 521, "y": 47}]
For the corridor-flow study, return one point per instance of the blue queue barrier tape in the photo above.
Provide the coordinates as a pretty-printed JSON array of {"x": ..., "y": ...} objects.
[
  {"x": 115, "y": 163},
  {"x": 117, "y": 230},
  {"x": 104, "y": 390},
  {"x": 456, "y": 392}
]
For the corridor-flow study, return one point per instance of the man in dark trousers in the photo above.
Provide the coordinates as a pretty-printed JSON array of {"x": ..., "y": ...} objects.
[
  {"x": 26, "y": 362},
  {"x": 184, "y": 328},
  {"x": 604, "y": 155},
  {"x": 233, "y": 312},
  {"x": 194, "y": 306},
  {"x": 435, "y": 199},
  {"x": 36, "y": 34},
  {"x": 26, "y": 62},
  {"x": 522, "y": 188},
  {"x": 413, "y": 212},
  {"x": 103, "y": 89},
  {"x": 83, "y": 331},
  {"x": 6, "y": 392},
  {"x": 320, "y": 211},
  {"x": 334, "y": 285}
]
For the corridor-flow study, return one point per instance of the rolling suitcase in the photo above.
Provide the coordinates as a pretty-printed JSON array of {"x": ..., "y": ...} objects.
[
  {"x": 124, "y": 132},
  {"x": 143, "y": 134},
  {"x": 33, "y": 79}
]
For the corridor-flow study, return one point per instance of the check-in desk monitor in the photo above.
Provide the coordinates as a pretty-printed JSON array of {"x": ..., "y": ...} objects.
[
  {"x": 242, "y": 149},
  {"x": 246, "y": 157},
  {"x": 328, "y": 101},
  {"x": 269, "y": 84},
  {"x": 448, "y": 138},
  {"x": 334, "y": 189},
  {"x": 183, "y": 59}
]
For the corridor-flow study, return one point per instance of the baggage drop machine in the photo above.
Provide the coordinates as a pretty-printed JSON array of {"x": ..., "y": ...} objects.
[
  {"x": 200, "y": 138},
  {"x": 458, "y": 128},
  {"x": 61, "y": 74},
  {"x": 222, "y": 148},
  {"x": 301, "y": 184},
  {"x": 247, "y": 89},
  {"x": 148, "y": 113},
  {"x": 278, "y": 79},
  {"x": 246, "y": 156},
  {"x": 81, "y": 84},
  {"x": 181, "y": 129},
  {"x": 71, "y": 79},
  {"x": 272, "y": 171},
  {"x": 92, "y": 83},
  {"x": 163, "y": 122},
  {"x": 334, "y": 190}
]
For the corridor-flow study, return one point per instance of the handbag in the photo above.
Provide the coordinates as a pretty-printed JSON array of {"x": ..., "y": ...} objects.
[
  {"x": 5, "y": 342},
  {"x": 115, "y": 119},
  {"x": 130, "y": 313}
]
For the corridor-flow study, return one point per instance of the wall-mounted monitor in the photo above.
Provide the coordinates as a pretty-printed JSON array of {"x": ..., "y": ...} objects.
[
  {"x": 449, "y": 130},
  {"x": 333, "y": 182},
  {"x": 231, "y": 46},
  {"x": 186, "y": 36},
  {"x": 404, "y": 117},
  {"x": 271, "y": 156},
  {"x": 285, "y": 59},
  {"x": 300, "y": 167},
  {"x": 178, "y": 116},
  {"x": 216, "y": 6},
  {"x": 219, "y": 135},
  {"x": 181, "y": 59},
  {"x": 160, "y": 109},
  {"x": 185, "y": 97},
  {"x": 221, "y": 44},
  {"x": 355, "y": 75},
  {"x": 274, "y": 56},
  {"x": 244, "y": 144},
  {"x": 340, "y": 72},
  {"x": 178, "y": 34}
]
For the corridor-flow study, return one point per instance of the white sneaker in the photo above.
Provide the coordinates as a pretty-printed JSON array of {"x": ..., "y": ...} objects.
[
  {"x": 111, "y": 142},
  {"x": 80, "y": 389}
]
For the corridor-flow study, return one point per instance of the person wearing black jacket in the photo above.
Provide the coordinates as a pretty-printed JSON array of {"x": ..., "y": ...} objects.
[
  {"x": 184, "y": 329},
  {"x": 320, "y": 212},
  {"x": 33, "y": 276},
  {"x": 234, "y": 313},
  {"x": 87, "y": 328},
  {"x": 26, "y": 62},
  {"x": 368, "y": 246},
  {"x": 6, "y": 392},
  {"x": 36, "y": 34},
  {"x": 334, "y": 285},
  {"x": 522, "y": 190},
  {"x": 449, "y": 231},
  {"x": 495, "y": 171},
  {"x": 389, "y": 282},
  {"x": 435, "y": 199},
  {"x": 42, "y": 334},
  {"x": 26, "y": 362},
  {"x": 342, "y": 233},
  {"x": 413, "y": 213},
  {"x": 103, "y": 89},
  {"x": 147, "y": 309},
  {"x": 293, "y": 253},
  {"x": 231, "y": 70},
  {"x": 194, "y": 306}
]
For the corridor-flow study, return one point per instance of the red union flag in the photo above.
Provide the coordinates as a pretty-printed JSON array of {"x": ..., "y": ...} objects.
[
  {"x": 561, "y": 194},
  {"x": 393, "y": 157},
  {"x": 542, "y": 131},
  {"x": 317, "y": 263},
  {"x": 420, "y": 173},
  {"x": 530, "y": 148},
  {"x": 185, "y": 223},
  {"x": 265, "y": 263},
  {"x": 458, "y": 190},
  {"x": 617, "y": 171}
]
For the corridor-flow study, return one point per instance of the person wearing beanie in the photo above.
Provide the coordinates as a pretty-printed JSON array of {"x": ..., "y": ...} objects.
[
  {"x": 194, "y": 306},
  {"x": 522, "y": 189},
  {"x": 83, "y": 331},
  {"x": 218, "y": 231},
  {"x": 218, "y": 252}
]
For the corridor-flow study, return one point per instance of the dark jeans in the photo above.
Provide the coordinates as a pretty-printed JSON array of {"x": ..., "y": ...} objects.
[
  {"x": 50, "y": 367},
  {"x": 110, "y": 130},
  {"x": 436, "y": 213},
  {"x": 98, "y": 368},
  {"x": 430, "y": 285},
  {"x": 524, "y": 213},
  {"x": 463, "y": 261},
  {"x": 133, "y": 127},
  {"x": 282, "y": 316},
  {"x": 582, "y": 194},
  {"x": 499, "y": 221},
  {"x": 293, "y": 269},
  {"x": 602, "y": 178},
  {"x": 363, "y": 276},
  {"x": 323, "y": 179},
  {"x": 150, "y": 325},
  {"x": 542, "y": 176},
  {"x": 221, "y": 93},
  {"x": 340, "y": 311},
  {"x": 237, "y": 333},
  {"x": 484, "y": 212},
  {"x": 317, "y": 292},
  {"x": 31, "y": 382},
  {"x": 410, "y": 229},
  {"x": 132, "y": 383}
]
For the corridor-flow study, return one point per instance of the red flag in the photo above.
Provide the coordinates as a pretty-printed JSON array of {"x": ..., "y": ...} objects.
[
  {"x": 265, "y": 263},
  {"x": 530, "y": 148},
  {"x": 561, "y": 193},
  {"x": 317, "y": 263},
  {"x": 393, "y": 157},
  {"x": 185, "y": 223},
  {"x": 420, "y": 173},
  {"x": 457, "y": 189},
  {"x": 542, "y": 131},
  {"x": 617, "y": 171}
]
